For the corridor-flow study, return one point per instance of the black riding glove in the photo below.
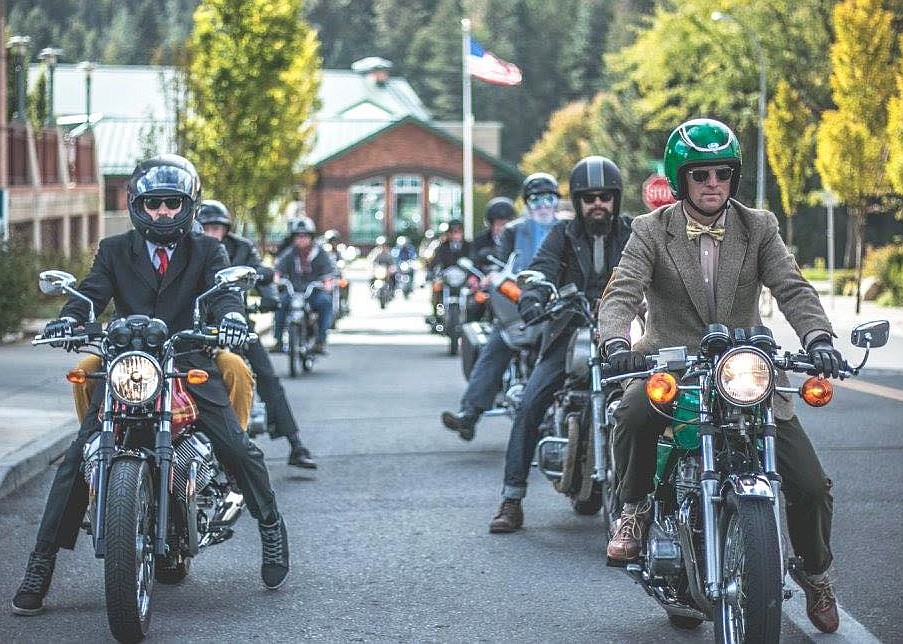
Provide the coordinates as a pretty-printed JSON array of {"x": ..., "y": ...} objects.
[
  {"x": 623, "y": 360},
  {"x": 825, "y": 358},
  {"x": 233, "y": 331},
  {"x": 61, "y": 328},
  {"x": 529, "y": 307}
]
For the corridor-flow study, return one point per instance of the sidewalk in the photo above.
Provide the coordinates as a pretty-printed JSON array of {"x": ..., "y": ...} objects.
[{"x": 28, "y": 445}]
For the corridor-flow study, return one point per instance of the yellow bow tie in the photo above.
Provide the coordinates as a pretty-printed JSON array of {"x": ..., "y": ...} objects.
[{"x": 695, "y": 229}]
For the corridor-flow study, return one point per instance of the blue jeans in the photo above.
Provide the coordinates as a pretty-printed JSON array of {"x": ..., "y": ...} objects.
[
  {"x": 487, "y": 373},
  {"x": 539, "y": 392}
]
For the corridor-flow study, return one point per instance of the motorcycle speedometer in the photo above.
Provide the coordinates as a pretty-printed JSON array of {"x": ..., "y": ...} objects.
[
  {"x": 744, "y": 376},
  {"x": 135, "y": 378},
  {"x": 454, "y": 276}
]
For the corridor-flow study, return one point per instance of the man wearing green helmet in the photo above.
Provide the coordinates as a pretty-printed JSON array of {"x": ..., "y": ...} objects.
[{"x": 699, "y": 261}]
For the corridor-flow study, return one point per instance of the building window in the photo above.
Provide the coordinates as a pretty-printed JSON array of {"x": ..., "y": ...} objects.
[
  {"x": 368, "y": 210},
  {"x": 445, "y": 201},
  {"x": 407, "y": 190}
]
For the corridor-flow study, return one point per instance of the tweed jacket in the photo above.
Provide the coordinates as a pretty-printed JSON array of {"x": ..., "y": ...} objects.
[{"x": 661, "y": 264}]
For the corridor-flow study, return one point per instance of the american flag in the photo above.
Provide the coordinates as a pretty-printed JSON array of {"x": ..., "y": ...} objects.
[{"x": 490, "y": 68}]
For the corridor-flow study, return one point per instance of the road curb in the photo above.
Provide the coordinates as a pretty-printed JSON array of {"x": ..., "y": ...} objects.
[{"x": 32, "y": 459}]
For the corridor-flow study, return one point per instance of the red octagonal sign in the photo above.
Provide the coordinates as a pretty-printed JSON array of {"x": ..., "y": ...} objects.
[{"x": 657, "y": 192}]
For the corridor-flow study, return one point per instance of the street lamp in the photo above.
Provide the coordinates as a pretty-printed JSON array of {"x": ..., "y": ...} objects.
[
  {"x": 19, "y": 45},
  {"x": 50, "y": 56},
  {"x": 87, "y": 67},
  {"x": 760, "y": 140}
]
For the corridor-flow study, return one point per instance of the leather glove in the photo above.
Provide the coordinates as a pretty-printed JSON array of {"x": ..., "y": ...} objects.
[
  {"x": 233, "y": 331},
  {"x": 60, "y": 328},
  {"x": 268, "y": 304},
  {"x": 623, "y": 360},
  {"x": 825, "y": 358},
  {"x": 529, "y": 308}
]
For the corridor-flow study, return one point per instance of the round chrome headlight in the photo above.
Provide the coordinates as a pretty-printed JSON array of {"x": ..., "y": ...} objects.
[
  {"x": 744, "y": 376},
  {"x": 135, "y": 378},
  {"x": 454, "y": 276}
]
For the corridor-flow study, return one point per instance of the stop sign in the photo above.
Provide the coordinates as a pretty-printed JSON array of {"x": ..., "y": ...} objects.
[{"x": 657, "y": 192}]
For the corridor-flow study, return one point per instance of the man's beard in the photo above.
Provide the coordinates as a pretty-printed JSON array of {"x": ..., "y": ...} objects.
[{"x": 598, "y": 226}]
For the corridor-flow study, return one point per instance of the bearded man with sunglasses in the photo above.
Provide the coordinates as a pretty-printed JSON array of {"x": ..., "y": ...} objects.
[
  {"x": 158, "y": 269},
  {"x": 699, "y": 261},
  {"x": 582, "y": 251}
]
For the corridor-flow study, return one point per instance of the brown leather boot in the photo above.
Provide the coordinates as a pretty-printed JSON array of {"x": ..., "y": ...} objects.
[
  {"x": 627, "y": 541},
  {"x": 821, "y": 604},
  {"x": 509, "y": 518}
]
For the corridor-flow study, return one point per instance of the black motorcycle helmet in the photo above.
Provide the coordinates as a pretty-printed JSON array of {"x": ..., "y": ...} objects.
[
  {"x": 595, "y": 174},
  {"x": 212, "y": 211},
  {"x": 167, "y": 175},
  {"x": 539, "y": 183},
  {"x": 499, "y": 208},
  {"x": 455, "y": 223}
]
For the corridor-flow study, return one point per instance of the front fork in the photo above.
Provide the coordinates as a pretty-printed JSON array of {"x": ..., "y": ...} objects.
[
  {"x": 164, "y": 454},
  {"x": 709, "y": 485},
  {"x": 597, "y": 417}
]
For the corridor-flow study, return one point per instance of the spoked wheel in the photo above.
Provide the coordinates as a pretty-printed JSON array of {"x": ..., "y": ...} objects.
[
  {"x": 293, "y": 345},
  {"x": 750, "y": 610},
  {"x": 453, "y": 326},
  {"x": 129, "y": 559}
]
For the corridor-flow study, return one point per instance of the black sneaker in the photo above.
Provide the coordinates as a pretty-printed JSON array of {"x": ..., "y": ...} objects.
[
  {"x": 275, "y": 567},
  {"x": 301, "y": 457},
  {"x": 29, "y": 599}
]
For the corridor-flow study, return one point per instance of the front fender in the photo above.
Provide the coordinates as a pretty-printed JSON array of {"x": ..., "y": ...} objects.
[{"x": 749, "y": 485}]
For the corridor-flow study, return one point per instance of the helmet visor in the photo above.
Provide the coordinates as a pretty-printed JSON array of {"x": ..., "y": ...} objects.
[{"x": 165, "y": 179}]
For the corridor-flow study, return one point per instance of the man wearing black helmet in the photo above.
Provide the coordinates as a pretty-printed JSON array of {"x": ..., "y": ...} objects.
[
  {"x": 699, "y": 261},
  {"x": 302, "y": 263},
  {"x": 583, "y": 252},
  {"x": 499, "y": 211},
  {"x": 525, "y": 235},
  {"x": 217, "y": 222},
  {"x": 158, "y": 269}
]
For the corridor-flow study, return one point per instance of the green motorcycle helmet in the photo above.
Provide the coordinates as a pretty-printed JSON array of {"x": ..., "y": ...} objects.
[{"x": 700, "y": 142}]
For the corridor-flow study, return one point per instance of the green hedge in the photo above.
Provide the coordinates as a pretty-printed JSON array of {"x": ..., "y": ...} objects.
[{"x": 886, "y": 263}]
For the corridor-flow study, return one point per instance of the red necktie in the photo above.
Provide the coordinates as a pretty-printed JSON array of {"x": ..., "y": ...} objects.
[{"x": 164, "y": 261}]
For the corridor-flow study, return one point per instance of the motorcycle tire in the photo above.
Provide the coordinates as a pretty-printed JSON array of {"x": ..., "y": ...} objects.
[
  {"x": 128, "y": 571},
  {"x": 751, "y": 559},
  {"x": 453, "y": 328},
  {"x": 593, "y": 504},
  {"x": 292, "y": 351}
]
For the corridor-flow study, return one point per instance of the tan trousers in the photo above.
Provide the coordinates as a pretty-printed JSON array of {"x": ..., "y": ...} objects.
[{"x": 236, "y": 376}]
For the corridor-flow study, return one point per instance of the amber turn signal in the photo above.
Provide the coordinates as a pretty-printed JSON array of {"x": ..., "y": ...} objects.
[
  {"x": 343, "y": 283},
  {"x": 481, "y": 297},
  {"x": 77, "y": 377},
  {"x": 817, "y": 391},
  {"x": 196, "y": 376},
  {"x": 661, "y": 388},
  {"x": 510, "y": 290},
  {"x": 437, "y": 287}
]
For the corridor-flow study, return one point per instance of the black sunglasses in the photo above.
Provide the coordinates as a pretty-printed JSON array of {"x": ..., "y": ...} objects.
[
  {"x": 152, "y": 203},
  {"x": 701, "y": 176},
  {"x": 590, "y": 197}
]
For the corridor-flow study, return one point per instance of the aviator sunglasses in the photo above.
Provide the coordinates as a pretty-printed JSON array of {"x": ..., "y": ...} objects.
[
  {"x": 590, "y": 197},
  {"x": 172, "y": 203},
  {"x": 701, "y": 176},
  {"x": 545, "y": 199}
]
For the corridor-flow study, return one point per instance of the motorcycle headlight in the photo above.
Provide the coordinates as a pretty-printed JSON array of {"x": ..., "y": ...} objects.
[
  {"x": 454, "y": 276},
  {"x": 135, "y": 378},
  {"x": 744, "y": 376}
]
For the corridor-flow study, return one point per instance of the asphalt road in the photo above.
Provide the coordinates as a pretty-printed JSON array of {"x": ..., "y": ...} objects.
[{"x": 389, "y": 536}]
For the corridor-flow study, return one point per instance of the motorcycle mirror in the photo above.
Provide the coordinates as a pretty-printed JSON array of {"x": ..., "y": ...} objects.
[
  {"x": 55, "y": 282},
  {"x": 465, "y": 263},
  {"x": 241, "y": 278},
  {"x": 871, "y": 334}
]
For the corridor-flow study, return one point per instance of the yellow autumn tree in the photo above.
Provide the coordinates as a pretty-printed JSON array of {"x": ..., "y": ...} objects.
[{"x": 852, "y": 145}]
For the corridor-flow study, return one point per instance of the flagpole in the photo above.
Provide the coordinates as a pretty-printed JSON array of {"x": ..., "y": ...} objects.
[{"x": 467, "y": 127}]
